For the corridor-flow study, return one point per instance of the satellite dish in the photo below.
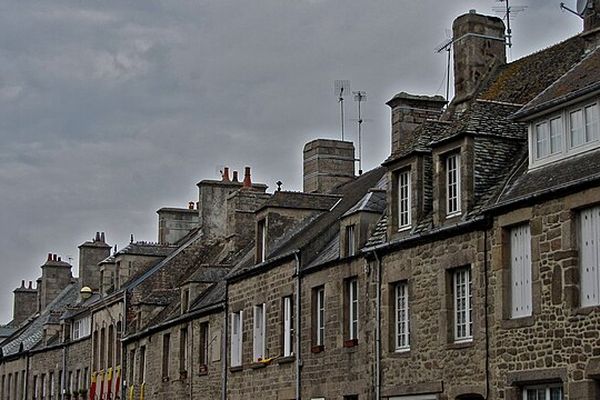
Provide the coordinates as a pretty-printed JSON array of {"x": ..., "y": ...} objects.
[{"x": 582, "y": 5}]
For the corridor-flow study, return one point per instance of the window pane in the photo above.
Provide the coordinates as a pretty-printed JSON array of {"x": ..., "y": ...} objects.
[
  {"x": 556, "y": 132},
  {"x": 453, "y": 184},
  {"x": 591, "y": 123},
  {"x": 577, "y": 132},
  {"x": 404, "y": 199},
  {"x": 541, "y": 140}
]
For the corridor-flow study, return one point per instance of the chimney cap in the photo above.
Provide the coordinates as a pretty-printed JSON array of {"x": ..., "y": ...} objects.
[{"x": 472, "y": 11}]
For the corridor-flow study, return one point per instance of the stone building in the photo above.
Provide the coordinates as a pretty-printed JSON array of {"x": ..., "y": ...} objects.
[{"x": 464, "y": 267}]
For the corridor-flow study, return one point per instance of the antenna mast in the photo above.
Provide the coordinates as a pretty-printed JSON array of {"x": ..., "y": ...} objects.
[
  {"x": 341, "y": 87},
  {"x": 507, "y": 10},
  {"x": 447, "y": 45},
  {"x": 359, "y": 97}
]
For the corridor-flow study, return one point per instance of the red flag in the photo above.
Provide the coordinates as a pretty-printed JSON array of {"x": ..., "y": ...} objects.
[
  {"x": 118, "y": 382},
  {"x": 93, "y": 387},
  {"x": 101, "y": 373}
]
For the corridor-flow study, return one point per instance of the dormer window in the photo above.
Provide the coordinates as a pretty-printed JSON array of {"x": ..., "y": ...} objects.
[
  {"x": 404, "y": 203},
  {"x": 350, "y": 240},
  {"x": 453, "y": 185},
  {"x": 567, "y": 133},
  {"x": 261, "y": 242}
]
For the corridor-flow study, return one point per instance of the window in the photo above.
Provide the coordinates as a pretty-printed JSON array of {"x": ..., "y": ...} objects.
[
  {"x": 404, "y": 204},
  {"x": 401, "y": 317},
  {"x": 185, "y": 302},
  {"x": 551, "y": 392},
  {"x": 35, "y": 387},
  {"x": 102, "y": 348},
  {"x": 118, "y": 344},
  {"x": 131, "y": 365},
  {"x": 95, "y": 351},
  {"x": 261, "y": 243},
  {"x": 352, "y": 301},
  {"x": 350, "y": 240},
  {"x": 453, "y": 184},
  {"x": 111, "y": 345},
  {"x": 463, "y": 322},
  {"x": 319, "y": 316},
  {"x": 259, "y": 332},
  {"x": 589, "y": 242},
  {"x": 166, "y": 350},
  {"x": 203, "y": 356},
  {"x": 236, "y": 338},
  {"x": 81, "y": 328},
  {"x": 8, "y": 386},
  {"x": 548, "y": 137},
  {"x": 142, "y": 370},
  {"x": 288, "y": 326},
  {"x": 520, "y": 271},
  {"x": 183, "y": 350}
]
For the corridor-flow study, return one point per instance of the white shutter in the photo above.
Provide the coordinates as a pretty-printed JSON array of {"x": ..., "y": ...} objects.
[
  {"x": 259, "y": 331},
  {"x": 520, "y": 256},
  {"x": 234, "y": 339},
  {"x": 240, "y": 337},
  {"x": 590, "y": 254},
  {"x": 287, "y": 326}
]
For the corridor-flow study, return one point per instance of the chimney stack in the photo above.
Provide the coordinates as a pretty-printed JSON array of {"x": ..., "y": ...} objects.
[
  {"x": 479, "y": 47},
  {"x": 90, "y": 254},
  {"x": 327, "y": 164}
]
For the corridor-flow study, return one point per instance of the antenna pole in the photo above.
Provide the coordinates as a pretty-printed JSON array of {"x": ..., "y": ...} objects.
[
  {"x": 508, "y": 30},
  {"x": 341, "y": 100},
  {"x": 448, "y": 74},
  {"x": 360, "y": 121}
]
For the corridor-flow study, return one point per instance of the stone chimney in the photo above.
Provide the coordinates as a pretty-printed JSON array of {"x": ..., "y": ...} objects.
[
  {"x": 241, "y": 220},
  {"x": 479, "y": 47},
  {"x": 212, "y": 204},
  {"x": 175, "y": 223},
  {"x": 25, "y": 303},
  {"x": 56, "y": 276},
  {"x": 90, "y": 254},
  {"x": 327, "y": 164},
  {"x": 408, "y": 112}
]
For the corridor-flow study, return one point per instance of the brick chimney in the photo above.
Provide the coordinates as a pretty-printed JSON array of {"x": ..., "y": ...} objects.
[
  {"x": 90, "y": 254},
  {"x": 479, "y": 47},
  {"x": 327, "y": 164},
  {"x": 408, "y": 112}
]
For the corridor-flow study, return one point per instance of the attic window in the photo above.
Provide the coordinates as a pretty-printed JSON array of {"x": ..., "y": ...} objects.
[
  {"x": 404, "y": 217},
  {"x": 453, "y": 185},
  {"x": 261, "y": 243},
  {"x": 350, "y": 240}
]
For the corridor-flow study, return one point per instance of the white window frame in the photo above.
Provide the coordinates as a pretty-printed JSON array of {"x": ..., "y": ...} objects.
[
  {"x": 81, "y": 328},
  {"x": 401, "y": 317},
  {"x": 259, "y": 332},
  {"x": 288, "y": 326},
  {"x": 453, "y": 185},
  {"x": 353, "y": 309},
  {"x": 463, "y": 305},
  {"x": 520, "y": 272},
  {"x": 404, "y": 200},
  {"x": 237, "y": 334},
  {"x": 262, "y": 232},
  {"x": 350, "y": 240},
  {"x": 320, "y": 310},
  {"x": 591, "y": 138},
  {"x": 589, "y": 244},
  {"x": 547, "y": 391}
]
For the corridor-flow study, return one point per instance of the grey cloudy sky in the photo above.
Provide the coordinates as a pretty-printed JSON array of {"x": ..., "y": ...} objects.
[{"x": 112, "y": 109}]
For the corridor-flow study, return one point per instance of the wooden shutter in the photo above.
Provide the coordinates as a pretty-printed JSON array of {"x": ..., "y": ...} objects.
[
  {"x": 520, "y": 249},
  {"x": 590, "y": 255}
]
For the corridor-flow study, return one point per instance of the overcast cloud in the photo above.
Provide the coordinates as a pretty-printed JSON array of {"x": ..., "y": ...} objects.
[{"x": 112, "y": 109}]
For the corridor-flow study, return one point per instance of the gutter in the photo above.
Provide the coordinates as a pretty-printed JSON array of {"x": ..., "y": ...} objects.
[
  {"x": 298, "y": 327},
  {"x": 64, "y": 369}
]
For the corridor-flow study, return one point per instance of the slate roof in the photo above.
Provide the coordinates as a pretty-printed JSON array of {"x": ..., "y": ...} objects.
[
  {"x": 147, "y": 249},
  {"x": 583, "y": 78},
  {"x": 31, "y": 334},
  {"x": 301, "y": 200},
  {"x": 208, "y": 274},
  {"x": 379, "y": 234},
  {"x": 552, "y": 177}
]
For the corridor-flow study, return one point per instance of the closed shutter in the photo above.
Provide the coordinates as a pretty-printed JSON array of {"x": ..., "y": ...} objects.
[
  {"x": 287, "y": 326},
  {"x": 236, "y": 339},
  {"x": 590, "y": 255},
  {"x": 520, "y": 249}
]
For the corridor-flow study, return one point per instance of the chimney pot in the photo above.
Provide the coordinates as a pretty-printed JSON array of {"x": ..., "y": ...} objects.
[
  {"x": 247, "y": 178},
  {"x": 472, "y": 11},
  {"x": 226, "y": 174},
  {"x": 30, "y": 287},
  {"x": 49, "y": 257},
  {"x": 191, "y": 205},
  {"x": 97, "y": 236},
  {"x": 59, "y": 259},
  {"x": 235, "y": 176},
  {"x": 102, "y": 237},
  {"x": 54, "y": 257},
  {"x": 23, "y": 283}
]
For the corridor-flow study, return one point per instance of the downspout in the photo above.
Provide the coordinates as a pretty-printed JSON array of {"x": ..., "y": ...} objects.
[
  {"x": 378, "y": 329},
  {"x": 486, "y": 312},
  {"x": 224, "y": 357},
  {"x": 124, "y": 355},
  {"x": 298, "y": 327},
  {"x": 64, "y": 369},
  {"x": 27, "y": 376}
]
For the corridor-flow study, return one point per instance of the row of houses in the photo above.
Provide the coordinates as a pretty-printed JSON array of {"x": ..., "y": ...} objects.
[{"x": 466, "y": 266}]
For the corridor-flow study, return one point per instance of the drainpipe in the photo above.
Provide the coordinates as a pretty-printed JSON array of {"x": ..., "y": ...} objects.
[
  {"x": 378, "y": 330},
  {"x": 64, "y": 368},
  {"x": 486, "y": 312},
  {"x": 298, "y": 327},
  {"x": 124, "y": 355},
  {"x": 224, "y": 345},
  {"x": 27, "y": 376}
]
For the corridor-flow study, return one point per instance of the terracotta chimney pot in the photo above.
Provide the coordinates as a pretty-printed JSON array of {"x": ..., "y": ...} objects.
[{"x": 247, "y": 178}]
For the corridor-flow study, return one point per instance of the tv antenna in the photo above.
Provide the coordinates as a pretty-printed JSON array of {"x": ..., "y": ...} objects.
[
  {"x": 508, "y": 11},
  {"x": 446, "y": 45},
  {"x": 582, "y": 7},
  {"x": 341, "y": 87},
  {"x": 360, "y": 97}
]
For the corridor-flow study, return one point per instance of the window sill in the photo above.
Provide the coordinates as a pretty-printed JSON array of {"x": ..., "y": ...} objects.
[
  {"x": 514, "y": 323},
  {"x": 317, "y": 349},
  {"x": 286, "y": 359},
  {"x": 350, "y": 343},
  {"x": 587, "y": 310},
  {"x": 257, "y": 365},
  {"x": 237, "y": 368},
  {"x": 463, "y": 344},
  {"x": 401, "y": 353}
]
